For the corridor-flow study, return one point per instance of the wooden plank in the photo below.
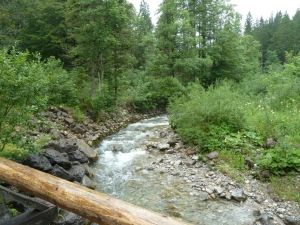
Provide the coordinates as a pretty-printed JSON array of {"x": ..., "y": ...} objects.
[{"x": 85, "y": 202}]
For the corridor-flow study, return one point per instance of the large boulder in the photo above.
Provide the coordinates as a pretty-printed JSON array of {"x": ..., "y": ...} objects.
[
  {"x": 79, "y": 129},
  {"x": 39, "y": 162},
  {"x": 238, "y": 195},
  {"x": 78, "y": 171},
  {"x": 58, "y": 171},
  {"x": 63, "y": 145},
  {"x": 89, "y": 152},
  {"x": 77, "y": 156},
  {"x": 55, "y": 157}
]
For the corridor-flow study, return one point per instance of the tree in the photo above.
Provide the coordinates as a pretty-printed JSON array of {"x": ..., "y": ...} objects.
[
  {"x": 272, "y": 61},
  {"x": 296, "y": 34},
  {"x": 248, "y": 24},
  {"x": 102, "y": 35},
  {"x": 281, "y": 40},
  {"x": 23, "y": 90},
  {"x": 143, "y": 31},
  {"x": 12, "y": 21},
  {"x": 166, "y": 35}
]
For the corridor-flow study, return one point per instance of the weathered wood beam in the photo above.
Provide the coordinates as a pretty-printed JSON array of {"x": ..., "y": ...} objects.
[{"x": 90, "y": 204}]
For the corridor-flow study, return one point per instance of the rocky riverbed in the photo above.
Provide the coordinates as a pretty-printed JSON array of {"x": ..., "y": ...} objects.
[{"x": 206, "y": 181}]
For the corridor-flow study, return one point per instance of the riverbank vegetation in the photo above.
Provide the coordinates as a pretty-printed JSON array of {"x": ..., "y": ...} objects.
[{"x": 227, "y": 89}]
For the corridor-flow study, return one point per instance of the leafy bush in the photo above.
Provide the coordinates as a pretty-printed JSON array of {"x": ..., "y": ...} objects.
[
  {"x": 27, "y": 85},
  {"x": 23, "y": 90},
  {"x": 61, "y": 87},
  {"x": 281, "y": 160},
  {"x": 205, "y": 117},
  {"x": 155, "y": 93},
  {"x": 102, "y": 102}
]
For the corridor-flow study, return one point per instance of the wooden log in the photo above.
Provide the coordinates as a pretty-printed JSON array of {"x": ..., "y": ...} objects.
[{"x": 93, "y": 205}]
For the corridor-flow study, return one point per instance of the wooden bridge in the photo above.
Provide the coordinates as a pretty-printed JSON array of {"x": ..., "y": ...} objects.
[{"x": 93, "y": 205}]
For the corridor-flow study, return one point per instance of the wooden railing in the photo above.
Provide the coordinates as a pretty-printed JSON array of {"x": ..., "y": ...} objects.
[
  {"x": 90, "y": 204},
  {"x": 39, "y": 213}
]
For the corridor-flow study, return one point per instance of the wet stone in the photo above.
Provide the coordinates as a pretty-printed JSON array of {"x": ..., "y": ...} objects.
[{"x": 238, "y": 195}]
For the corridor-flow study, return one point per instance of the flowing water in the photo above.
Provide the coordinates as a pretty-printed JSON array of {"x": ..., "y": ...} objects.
[{"x": 117, "y": 175}]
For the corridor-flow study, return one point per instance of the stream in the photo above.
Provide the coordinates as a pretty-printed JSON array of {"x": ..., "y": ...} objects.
[{"x": 123, "y": 174}]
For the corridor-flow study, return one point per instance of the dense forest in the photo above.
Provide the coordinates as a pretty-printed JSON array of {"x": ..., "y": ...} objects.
[{"x": 227, "y": 87}]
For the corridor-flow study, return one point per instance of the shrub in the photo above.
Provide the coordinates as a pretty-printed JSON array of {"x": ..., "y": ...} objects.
[
  {"x": 156, "y": 93},
  {"x": 281, "y": 160},
  {"x": 205, "y": 117}
]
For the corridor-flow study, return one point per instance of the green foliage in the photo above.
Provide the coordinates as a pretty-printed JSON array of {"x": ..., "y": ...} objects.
[
  {"x": 45, "y": 31},
  {"x": 77, "y": 114},
  {"x": 27, "y": 85},
  {"x": 61, "y": 87},
  {"x": 281, "y": 160},
  {"x": 286, "y": 187},
  {"x": 205, "y": 117},
  {"x": 155, "y": 93},
  {"x": 23, "y": 90},
  {"x": 102, "y": 102}
]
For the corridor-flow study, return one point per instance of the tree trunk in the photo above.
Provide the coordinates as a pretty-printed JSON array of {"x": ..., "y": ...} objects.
[{"x": 90, "y": 204}]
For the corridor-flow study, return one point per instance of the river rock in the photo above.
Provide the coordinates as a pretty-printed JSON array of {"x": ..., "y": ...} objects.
[
  {"x": 219, "y": 190},
  {"x": 163, "y": 147},
  {"x": 238, "y": 195},
  {"x": 264, "y": 219},
  {"x": 69, "y": 121},
  {"x": 177, "y": 163},
  {"x": 38, "y": 162},
  {"x": 89, "y": 152},
  {"x": 77, "y": 156},
  {"x": 117, "y": 148},
  {"x": 190, "y": 152},
  {"x": 53, "y": 109},
  {"x": 213, "y": 155},
  {"x": 203, "y": 196},
  {"x": 78, "y": 171},
  {"x": 63, "y": 145},
  {"x": 162, "y": 134},
  {"x": 270, "y": 143},
  {"x": 5, "y": 214},
  {"x": 170, "y": 151},
  {"x": 172, "y": 142},
  {"x": 209, "y": 190},
  {"x": 88, "y": 170},
  {"x": 288, "y": 220},
  {"x": 58, "y": 171},
  {"x": 63, "y": 109},
  {"x": 190, "y": 162},
  {"x": 55, "y": 157},
  {"x": 87, "y": 182},
  {"x": 79, "y": 129}
]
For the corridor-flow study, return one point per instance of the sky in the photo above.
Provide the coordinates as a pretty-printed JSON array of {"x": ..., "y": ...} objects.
[{"x": 257, "y": 8}]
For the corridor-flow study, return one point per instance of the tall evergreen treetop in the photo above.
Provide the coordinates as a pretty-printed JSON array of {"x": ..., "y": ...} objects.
[{"x": 248, "y": 24}]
